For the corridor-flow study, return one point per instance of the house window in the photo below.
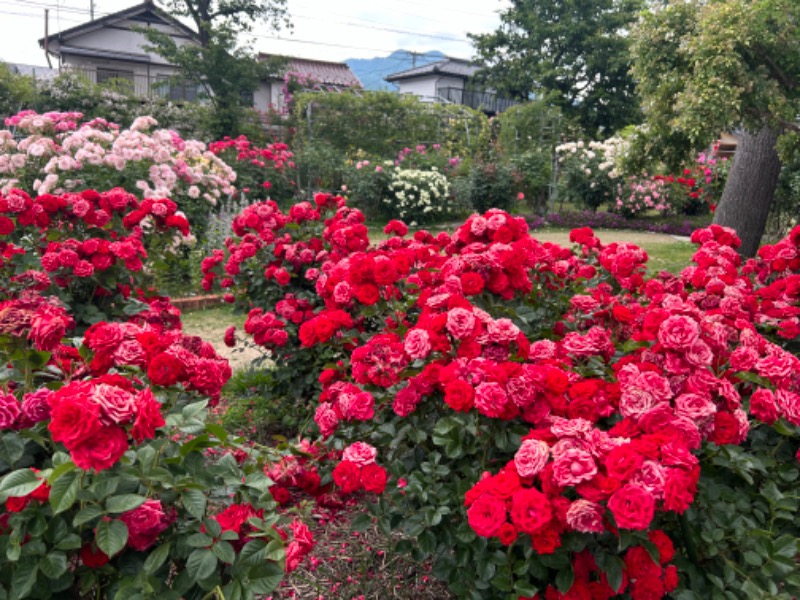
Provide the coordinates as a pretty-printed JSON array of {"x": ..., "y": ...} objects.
[
  {"x": 121, "y": 81},
  {"x": 171, "y": 88}
]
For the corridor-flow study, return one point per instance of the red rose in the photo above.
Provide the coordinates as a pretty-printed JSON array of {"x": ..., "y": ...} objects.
[
  {"x": 373, "y": 478},
  {"x": 507, "y": 534},
  {"x": 531, "y": 511},
  {"x": 726, "y": 429},
  {"x": 92, "y": 556},
  {"x": 666, "y": 550},
  {"x": 148, "y": 416},
  {"x": 546, "y": 542},
  {"x": 367, "y": 293},
  {"x": 165, "y": 370},
  {"x": 632, "y": 506},
  {"x": 459, "y": 395},
  {"x": 487, "y": 515},
  {"x": 74, "y": 417},
  {"x": 347, "y": 476},
  {"x": 102, "y": 450},
  {"x": 472, "y": 284},
  {"x": 145, "y": 524}
]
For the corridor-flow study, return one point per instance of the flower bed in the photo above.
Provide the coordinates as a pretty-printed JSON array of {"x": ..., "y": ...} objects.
[{"x": 606, "y": 220}]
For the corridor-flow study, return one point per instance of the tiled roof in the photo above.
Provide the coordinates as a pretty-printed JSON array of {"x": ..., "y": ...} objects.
[
  {"x": 38, "y": 73},
  {"x": 322, "y": 72},
  {"x": 449, "y": 66}
]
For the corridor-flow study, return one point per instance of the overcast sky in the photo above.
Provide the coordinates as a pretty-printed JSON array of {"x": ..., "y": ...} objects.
[{"x": 323, "y": 29}]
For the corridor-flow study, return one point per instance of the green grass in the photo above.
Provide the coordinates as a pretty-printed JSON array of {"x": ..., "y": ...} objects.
[
  {"x": 672, "y": 257},
  {"x": 212, "y": 318}
]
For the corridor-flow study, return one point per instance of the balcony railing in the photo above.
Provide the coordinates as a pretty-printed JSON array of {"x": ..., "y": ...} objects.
[
  {"x": 142, "y": 86},
  {"x": 488, "y": 102}
]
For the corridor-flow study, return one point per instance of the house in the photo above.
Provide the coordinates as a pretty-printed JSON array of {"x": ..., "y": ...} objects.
[
  {"x": 38, "y": 73},
  {"x": 309, "y": 74},
  {"x": 110, "y": 48},
  {"x": 451, "y": 81}
]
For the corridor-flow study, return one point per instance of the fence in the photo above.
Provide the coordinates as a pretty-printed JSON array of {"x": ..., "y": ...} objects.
[{"x": 143, "y": 86}]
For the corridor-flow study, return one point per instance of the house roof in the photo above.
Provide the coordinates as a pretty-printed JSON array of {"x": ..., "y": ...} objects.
[
  {"x": 38, "y": 73},
  {"x": 456, "y": 67},
  {"x": 146, "y": 12},
  {"x": 321, "y": 71}
]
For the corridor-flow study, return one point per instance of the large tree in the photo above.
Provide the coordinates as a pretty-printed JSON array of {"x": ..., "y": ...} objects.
[
  {"x": 575, "y": 52},
  {"x": 707, "y": 66},
  {"x": 227, "y": 70}
]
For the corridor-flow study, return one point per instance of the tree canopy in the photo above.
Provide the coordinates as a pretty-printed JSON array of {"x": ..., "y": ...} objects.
[
  {"x": 574, "y": 52},
  {"x": 226, "y": 70},
  {"x": 706, "y": 66}
]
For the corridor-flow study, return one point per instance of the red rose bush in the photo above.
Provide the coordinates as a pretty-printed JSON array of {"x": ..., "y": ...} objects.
[{"x": 562, "y": 425}]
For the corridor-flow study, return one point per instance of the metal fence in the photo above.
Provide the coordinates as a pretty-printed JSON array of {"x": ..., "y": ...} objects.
[
  {"x": 488, "y": 102},
  {"x": 143, "y": 86}
]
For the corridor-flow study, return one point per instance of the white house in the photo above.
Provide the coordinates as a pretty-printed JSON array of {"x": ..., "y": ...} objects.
[
  {"x": 110, "y": 49},
  {"x": 449, "y": 80}
]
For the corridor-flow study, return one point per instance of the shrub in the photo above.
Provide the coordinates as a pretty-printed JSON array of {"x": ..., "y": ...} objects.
[
  {"x": 491, "y": 185},
  {"x": 62, "y": 155},
  {"x": 587, "y": 172},
  {"x": 418, "y": 196},
  {"x": 641, "y": 194}
]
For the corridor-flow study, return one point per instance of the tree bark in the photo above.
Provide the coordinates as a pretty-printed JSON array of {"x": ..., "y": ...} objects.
[{"x": 751, "y": 184}]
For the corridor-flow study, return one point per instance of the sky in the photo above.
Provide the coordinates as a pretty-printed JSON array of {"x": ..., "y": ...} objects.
[{"x": 323, "y": 29}]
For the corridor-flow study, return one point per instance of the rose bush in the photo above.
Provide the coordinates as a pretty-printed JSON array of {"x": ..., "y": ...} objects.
[
  {"x": 87, "y": 248},
  {"x": 60, "y": 154},
  {"x": 112, "y": 480},
  {"x": 555, "y": 423}
]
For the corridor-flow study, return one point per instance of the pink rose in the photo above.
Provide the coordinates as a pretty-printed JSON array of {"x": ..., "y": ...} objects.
[
  {"x": 360, "y": 453},
  {"x": 490, "y": 399},
  {"x": 117, "y": 406},
  {"x": 678, "y": 332},
  {"x": 460, "y": 323},
  {"x": 585, "y": 516},
  {"x": 36, "y": 405},
  {"x": 574, "y": 466},
  {"x": 417, "y": 344},
  {"x": 531, "y": 457},
  {"x": 326, "y": 419},
  {"x": 9, "y": 410}
]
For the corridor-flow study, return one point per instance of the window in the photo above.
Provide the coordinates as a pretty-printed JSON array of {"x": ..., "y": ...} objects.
[
  {"x": 172, "y": 88},
  {"x": 122, "y": 81}
]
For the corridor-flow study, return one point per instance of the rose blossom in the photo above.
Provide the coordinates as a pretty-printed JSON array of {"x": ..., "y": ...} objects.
[
  {"x": 460, "y": 323},
  {"x": 35, "y": 405},
  {"x": 486, "y": 515},
  {"x": 9, "y": 410},
  {"x": 678, "y": 332},
  {"x": 145, "y": 524},
  {"x": 585, "y": 516},
  {"x": 531, "y": 511},
  {"x": 490, "y": 399},
  {"x": 531, "y": 457},
  {"x": 573, "y": 467},
  {"x": 116, "y": 405},
  {"x": 417, "y": 344},
  {"x": 360, "y": 454},
  {"x": 102, "y": 450},
  {"x": 633, "y": 507}
]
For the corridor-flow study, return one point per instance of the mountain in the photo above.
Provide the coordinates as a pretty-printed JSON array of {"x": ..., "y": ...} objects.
[{"x": 371, "y": 71}]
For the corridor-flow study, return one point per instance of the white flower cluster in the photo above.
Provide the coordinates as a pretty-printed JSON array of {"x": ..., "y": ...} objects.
[
  {"x": 419, "y": 195},
  {"x": 603, "y": 156}
]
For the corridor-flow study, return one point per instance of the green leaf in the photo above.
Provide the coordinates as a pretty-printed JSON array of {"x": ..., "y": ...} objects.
[
  {"x": 24, "y": 577},
  {"x": 111, "y": 536},
  {"x": 199, "y": 540},
  {"x": 12, "y": 447},
  {"x": 64, "y": 491},
  {"x": 564, "y": 580},
  {"x": 201, "y": 564},
  {"x": 156, "y": 558},
  {"x": 265, "y": 578},
  {"x": 225, "y": 552},
  {"x": 194, "y": 501},
  {"x": 19, "y": 483},
  {"x": 86, "y": 514},
  {"x": 253, "y": 552},
  {"x": 753, "y": 558},
  {"x": 124, "y": 503},
  {"x": 53, "y": 564},
  {"x": 361, "y": 522},
  {"x": 71, "y": 541}
]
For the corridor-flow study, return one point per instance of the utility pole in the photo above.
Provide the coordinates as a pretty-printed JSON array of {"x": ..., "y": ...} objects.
[
  {"x": 47, "y": 35},
  {"x": 91, "y": 10}
]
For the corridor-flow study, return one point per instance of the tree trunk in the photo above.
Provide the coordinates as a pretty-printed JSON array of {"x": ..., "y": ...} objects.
[{"x": 751, "y": 184}]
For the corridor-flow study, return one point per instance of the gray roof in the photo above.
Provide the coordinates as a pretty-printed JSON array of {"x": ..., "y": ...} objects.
[
  {"x": 38, "y": 73},
  {"x": 456, "y": 67},
  {"x": 146, "y": 12}
]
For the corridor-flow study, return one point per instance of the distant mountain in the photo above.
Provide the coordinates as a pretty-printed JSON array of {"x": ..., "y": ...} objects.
[{"x": 371, "y": 71}]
